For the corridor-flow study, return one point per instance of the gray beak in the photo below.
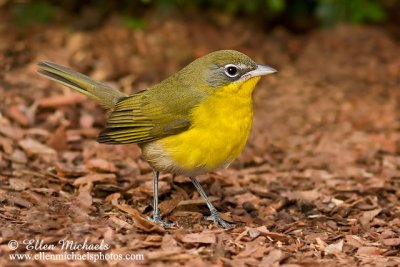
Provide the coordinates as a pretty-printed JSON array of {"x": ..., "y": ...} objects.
[{"x": 262, "y": 70}]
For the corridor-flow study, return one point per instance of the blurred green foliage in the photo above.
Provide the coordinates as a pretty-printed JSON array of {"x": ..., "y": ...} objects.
[
  {"x": 291, "y": 13},
  {"x": 133, "y": 22},
  {"x": 329, "y": 12},
  {"x": 33, "y": 11},
  {"x": 324, "y": 12}
]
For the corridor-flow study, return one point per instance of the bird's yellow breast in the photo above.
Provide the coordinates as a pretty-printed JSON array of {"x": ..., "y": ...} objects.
[{"x": 220, "y": 127}]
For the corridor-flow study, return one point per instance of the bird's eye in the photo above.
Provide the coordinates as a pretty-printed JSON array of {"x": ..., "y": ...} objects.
[{"x": 231, "y": 70}]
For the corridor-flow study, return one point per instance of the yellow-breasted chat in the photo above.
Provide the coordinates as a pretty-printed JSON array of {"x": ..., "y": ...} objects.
[{"x": 191, "y": 123}]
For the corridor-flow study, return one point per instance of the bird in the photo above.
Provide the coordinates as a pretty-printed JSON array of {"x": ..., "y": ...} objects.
[{"x": 193, "y": 122}]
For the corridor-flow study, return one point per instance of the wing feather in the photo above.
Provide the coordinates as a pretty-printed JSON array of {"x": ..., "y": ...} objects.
[
  {"x": 160, "y": 111},
  {"x": 133, "y": 121}
]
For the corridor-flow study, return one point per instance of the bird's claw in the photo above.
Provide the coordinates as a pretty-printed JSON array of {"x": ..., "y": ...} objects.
[
  {"x": 218, "y": 220},
  {"x": 158, "y": 220}
]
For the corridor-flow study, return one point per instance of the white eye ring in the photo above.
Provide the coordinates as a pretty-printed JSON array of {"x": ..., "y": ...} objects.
[{"x": 231, "y": 70}]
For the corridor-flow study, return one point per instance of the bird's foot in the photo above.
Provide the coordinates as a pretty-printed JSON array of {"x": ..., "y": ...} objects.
[
  {"x": 158, "y": 220},
  {"x": 218, "y": 220}
]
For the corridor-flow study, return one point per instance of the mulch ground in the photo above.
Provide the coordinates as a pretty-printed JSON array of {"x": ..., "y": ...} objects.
[{"x": 317, "y": 185}]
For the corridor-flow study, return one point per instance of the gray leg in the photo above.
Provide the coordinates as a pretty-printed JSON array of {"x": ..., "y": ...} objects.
[
  {"x": 156, "y": 212},
  {"x": 214, "y": 213}
]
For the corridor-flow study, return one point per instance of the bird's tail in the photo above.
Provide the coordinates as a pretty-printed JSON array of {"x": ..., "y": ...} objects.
[{"x": 102, "y": 93}]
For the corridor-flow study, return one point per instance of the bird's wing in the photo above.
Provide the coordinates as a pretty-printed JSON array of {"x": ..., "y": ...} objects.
[{"x": 148, "y": 116}]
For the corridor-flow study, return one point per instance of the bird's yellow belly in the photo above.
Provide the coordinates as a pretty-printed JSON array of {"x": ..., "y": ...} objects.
[
  {"x": 219, "y": 132},
  {"x": 211, "y": 144}
]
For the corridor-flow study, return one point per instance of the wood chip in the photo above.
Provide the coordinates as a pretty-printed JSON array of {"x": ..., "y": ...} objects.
[
  {"x": 334, "y": 248},
  {"x": 368, "y": 216},
  {"x": 370, "y": 251},
  {"x": 18, "y": 184},
  {"x": 61, "y": 100},
  {"x": 33, "y": 147},
  {"x": 101, "y": 165},
  {"x": 139, "y": 221},
  {"x": 354, "y": 241},
  {"x": 196, "y": 202},
  {"x": 273, "y": 258},
  {"x": 273, "y": 235},
  {"x": 16, "y": 113},
  {"x": 95, "y": 177},
  {"x": 204, "y": 237},
  {"x": 391, "y": 242}
]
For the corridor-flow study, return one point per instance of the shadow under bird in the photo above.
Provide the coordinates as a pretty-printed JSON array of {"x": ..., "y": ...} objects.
[{"x": 191, "y": 123}]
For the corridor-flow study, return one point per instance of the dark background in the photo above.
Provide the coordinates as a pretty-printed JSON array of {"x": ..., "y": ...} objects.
[{"x": 296, "y": 15}]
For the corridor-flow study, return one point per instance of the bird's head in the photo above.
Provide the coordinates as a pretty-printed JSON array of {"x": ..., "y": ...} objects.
[{"x": 226, "y": 69}]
